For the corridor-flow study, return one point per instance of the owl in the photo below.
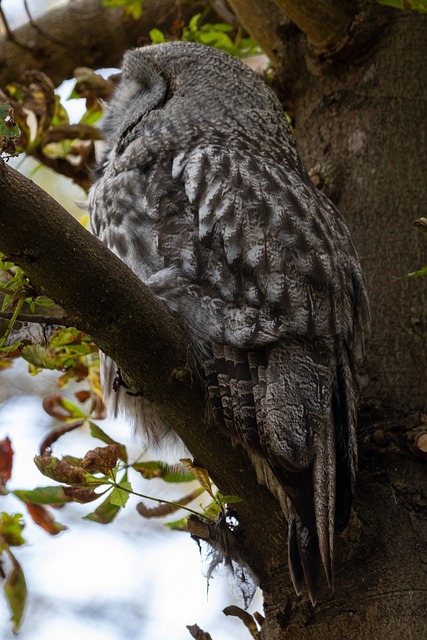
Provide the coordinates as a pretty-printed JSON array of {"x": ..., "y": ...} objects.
[{"x": 202, "y": 193}]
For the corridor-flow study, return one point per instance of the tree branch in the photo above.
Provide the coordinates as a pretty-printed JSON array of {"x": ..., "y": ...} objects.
[
  {"x": 91, "y": 35},
  {"x": 336, "y": 29},
  {"x": 266, "y": 23},
  {"x": 326, "y": 23},
  {"x": 68, "y": 264}
]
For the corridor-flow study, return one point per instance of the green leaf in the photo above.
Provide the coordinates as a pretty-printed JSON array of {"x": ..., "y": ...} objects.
[
  {"x": 91, "y": 116},
  {"x": 132, "y": 8},
  {"x": 73, "y": 410},
  {"x": 227, "y": 499},
  {"x": 194, "y": 21},
  {"x": 43, "y": 495},
  {"x": 120, "y": 494},
  {"x": 156, "y": 36},
  {"x": 212, "y": 511},
  {"x": 177, "y": 525},
  {"x": 8, "y": 128},
  {"x": 216, "y": 35},
  {"x": 66, "y": 348},
  {"x": 11, "y": 527},
  {"x": 15, "y": 589},
  {"x": 417, "y": 274},
  {"x": 105, "y": 513},
  {"x": 408, "y": 5},
  {"x": 157, "y": 469}
]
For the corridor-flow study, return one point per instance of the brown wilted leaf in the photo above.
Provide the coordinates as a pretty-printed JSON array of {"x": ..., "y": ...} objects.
[
  {"x": 201, "y": 474},
  {"x": 54, "y": 407},
  {"x": 6, "y": 458},
  {"x": 60, "y": 470},
  {"x": 245, "y": 617},
  {"x": 79, "y": 494},
  {"x": 102, "y": 459},
  {"x": 198, "y": 633},
  {"x": 155, "y": 512},
  {"x": 165, "y": 509},
  {"x": 92, "y": 86}
]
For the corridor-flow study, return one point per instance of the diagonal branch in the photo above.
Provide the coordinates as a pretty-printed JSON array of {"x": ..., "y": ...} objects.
[{"x": 101, "y": 296}]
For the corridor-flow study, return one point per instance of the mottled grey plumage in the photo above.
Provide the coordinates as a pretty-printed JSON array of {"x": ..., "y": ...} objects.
[{"x": 203, "y": 194}]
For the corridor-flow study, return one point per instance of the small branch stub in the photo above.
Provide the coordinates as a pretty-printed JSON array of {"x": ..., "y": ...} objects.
[
  {"x": 417, "y": 439},
  {"x": 326, "y": 23}
]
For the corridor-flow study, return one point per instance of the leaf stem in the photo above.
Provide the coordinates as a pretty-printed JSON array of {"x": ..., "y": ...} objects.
[
  {"x": 11, "y": 322},
  {"x": 160, "y": 501}
]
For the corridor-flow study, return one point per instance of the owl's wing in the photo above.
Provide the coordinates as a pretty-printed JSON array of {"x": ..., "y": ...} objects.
[{"x": 283, "y": 305}]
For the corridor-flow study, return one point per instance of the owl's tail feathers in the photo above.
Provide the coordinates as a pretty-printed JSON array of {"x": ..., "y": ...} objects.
[
  {"x": 303, "y": 556},
  {"x": 311, "y": 518}
]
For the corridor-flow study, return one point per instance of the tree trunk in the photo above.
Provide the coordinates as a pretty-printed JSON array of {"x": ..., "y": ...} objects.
[{"x": 360, "y": 127}]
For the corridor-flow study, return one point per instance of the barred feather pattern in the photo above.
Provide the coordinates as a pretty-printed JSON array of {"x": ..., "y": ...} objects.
[{"x": 201, "y": 191}]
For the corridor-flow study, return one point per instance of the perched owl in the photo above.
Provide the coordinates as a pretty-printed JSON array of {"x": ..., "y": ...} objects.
[{"x": 202, "y": 193}]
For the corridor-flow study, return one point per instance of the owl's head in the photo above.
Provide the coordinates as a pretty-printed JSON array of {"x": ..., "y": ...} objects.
[{"x": 177, "y": 91}]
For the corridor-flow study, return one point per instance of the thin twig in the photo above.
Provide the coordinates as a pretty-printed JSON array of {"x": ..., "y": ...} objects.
[
  {"x": 6, "y": 291},
  {"x": 12, "y": 319},
  {"x": 10, "y": 33},
  {"x": 42, "y": 32},
  {"x": 224, "y": 12},
  {"x": 35, "y": 318}
]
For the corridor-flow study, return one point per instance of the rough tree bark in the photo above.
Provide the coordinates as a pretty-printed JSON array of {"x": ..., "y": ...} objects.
[
  {"x": 358, "y": 122},
  {"x": 357, "y": 108}
]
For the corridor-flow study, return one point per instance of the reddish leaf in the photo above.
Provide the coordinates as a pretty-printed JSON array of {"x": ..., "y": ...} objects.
[
  {"x": 56, "y": 433},
  {"x": 77, "y": 372},
  {"x": 6, "y": 456},
  {"x": 83, "y": 395},
  {"x": 44, "y": 519}
]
